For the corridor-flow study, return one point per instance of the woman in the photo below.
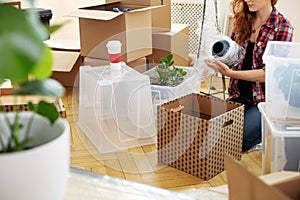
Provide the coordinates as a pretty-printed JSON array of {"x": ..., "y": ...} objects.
[{"x": 255, "y": 23}]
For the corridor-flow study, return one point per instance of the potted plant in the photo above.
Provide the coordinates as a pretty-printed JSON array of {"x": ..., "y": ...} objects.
[
  {"x": 167, "y": 73},
  {"x": 34, "y": 145}
]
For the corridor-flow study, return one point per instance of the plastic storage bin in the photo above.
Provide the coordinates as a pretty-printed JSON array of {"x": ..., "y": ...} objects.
[
  {"x": 281, "y": 143},
  {"x": 162, "y": 94},
  {"x": 115, "y": 108},
  {"x": 282, "y": 61}
]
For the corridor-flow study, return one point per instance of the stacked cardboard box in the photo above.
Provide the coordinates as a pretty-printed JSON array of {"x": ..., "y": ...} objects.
[
  {"x": 141, "y": 31},
  {"x": 146, "y": 34},
  {"x": 174, "y": 41},
  {"x": 99, "y": 24}
]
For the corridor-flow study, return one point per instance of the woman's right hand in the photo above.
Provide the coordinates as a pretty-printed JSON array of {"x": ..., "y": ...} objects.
[{"x": 219, "y": 67}]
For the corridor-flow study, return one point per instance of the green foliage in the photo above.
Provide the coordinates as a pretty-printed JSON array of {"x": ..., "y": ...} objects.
[
  {"x": 27, "y": 62},
  {"x": 168, "y": 74}
]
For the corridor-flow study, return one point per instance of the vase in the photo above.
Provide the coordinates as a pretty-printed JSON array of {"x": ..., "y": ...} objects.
[{"x": 40, "y": 172}]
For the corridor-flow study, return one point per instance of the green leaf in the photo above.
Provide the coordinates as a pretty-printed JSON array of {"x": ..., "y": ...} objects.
[
  {"x": 163, "y": 60},
  {"x": 45, "y": 87},
  {"x": 45, "y": 109},
  {"x": 54, "y": 27},
  {"x": 2, "y": 80},
  {"x": 170, "y": 57},
  {"x": 43, "y": 68},
  {"x": 21, "y": 45}
]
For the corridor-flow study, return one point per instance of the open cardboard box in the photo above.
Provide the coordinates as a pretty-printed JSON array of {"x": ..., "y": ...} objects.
[
  {"x": 66, "y": 67},
  {"x": 99, "y": 24},
  {"x": 195, "y": 131},
  {"x": 66, "y": 60},
  {"x": 243, "y": 185}
]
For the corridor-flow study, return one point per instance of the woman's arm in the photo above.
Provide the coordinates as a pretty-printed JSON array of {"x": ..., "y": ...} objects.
[{"x": 248, "y": 75}]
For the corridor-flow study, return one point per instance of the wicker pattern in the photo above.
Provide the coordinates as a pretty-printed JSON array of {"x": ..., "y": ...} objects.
[
  {"x": 188, "y": 13},
  {"x": 24, "y": 107},
  {"x": 195, "y": 142}
]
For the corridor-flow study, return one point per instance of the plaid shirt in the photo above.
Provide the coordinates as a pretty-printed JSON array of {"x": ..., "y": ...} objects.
[{"x": 276, "y": 28}]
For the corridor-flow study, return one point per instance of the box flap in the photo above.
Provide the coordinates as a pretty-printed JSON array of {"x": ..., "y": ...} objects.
[
  {"x": 142, "y": 2},
  {"x": 290, "y": 187},
  {"x": 63, "y": 44},
  {"x": 104, "y": 14},
  {"x": 242, "y": 184},
  {"x": 88, "y": 3},
  {"x": 95, "y": 14},
  {"x": 145, "y": 8},
  {"x": 64, "y": 61}
]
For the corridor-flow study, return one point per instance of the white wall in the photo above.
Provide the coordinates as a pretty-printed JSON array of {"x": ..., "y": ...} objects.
[
  {"x": 60, "y": 10},
  {"x": 289, "y": 8}
]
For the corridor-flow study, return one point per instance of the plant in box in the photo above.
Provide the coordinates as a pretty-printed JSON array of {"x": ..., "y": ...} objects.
[
  {"x": 34, "y": 145},
  {"x": 167, "y": 73}
]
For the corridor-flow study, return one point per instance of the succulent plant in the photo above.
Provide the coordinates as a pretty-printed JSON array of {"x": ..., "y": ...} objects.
[{"x": 168, "y": 74}]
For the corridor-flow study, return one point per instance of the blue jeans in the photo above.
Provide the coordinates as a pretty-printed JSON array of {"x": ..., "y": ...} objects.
[
  {"x": 252, "y": 123},
  {"x": 292, "y": 153}
]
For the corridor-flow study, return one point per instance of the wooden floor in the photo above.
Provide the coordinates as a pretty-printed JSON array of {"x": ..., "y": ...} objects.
[{"x": 137, "y": 164}]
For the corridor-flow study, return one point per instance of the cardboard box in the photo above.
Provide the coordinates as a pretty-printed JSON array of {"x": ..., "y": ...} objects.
[
  {"x": 160, "y": 16},
  {"x": 9, "y": 101},
  {"x": 143, "y": 2},
  {"x": 195, "y": 131},
  {"x": 99, "y": 24},
  {"x": 139, "y": 65},
  {"x": 161, "y": 19},
  {"x": 66, "y": 67},
  {"x": 175, "y": 41},
  {"x": 6, "y": 88},
  {"x": 166, "y": 2},
  {"x": 242, "y": 184}
]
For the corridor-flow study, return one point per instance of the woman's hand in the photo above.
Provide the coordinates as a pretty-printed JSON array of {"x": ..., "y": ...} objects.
[{"x": 219, "y": 67}]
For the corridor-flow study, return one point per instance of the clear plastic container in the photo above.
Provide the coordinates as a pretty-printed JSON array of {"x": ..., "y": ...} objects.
[
  {"x": 281, "y": 143},
  {"x": 282, "y": 61},
  {"x": 115, "y": 108},
  {"x": 162, "y": 94}
]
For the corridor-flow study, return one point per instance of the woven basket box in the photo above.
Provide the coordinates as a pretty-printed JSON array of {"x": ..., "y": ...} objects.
[{"x": 196, "y": 130}]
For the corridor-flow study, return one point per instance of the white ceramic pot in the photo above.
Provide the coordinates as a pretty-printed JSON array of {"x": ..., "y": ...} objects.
[{"x": 39, "y": 173}]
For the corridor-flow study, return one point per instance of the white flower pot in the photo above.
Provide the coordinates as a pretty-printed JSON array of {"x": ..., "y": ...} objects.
[{"x": 39, "y": 173}]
